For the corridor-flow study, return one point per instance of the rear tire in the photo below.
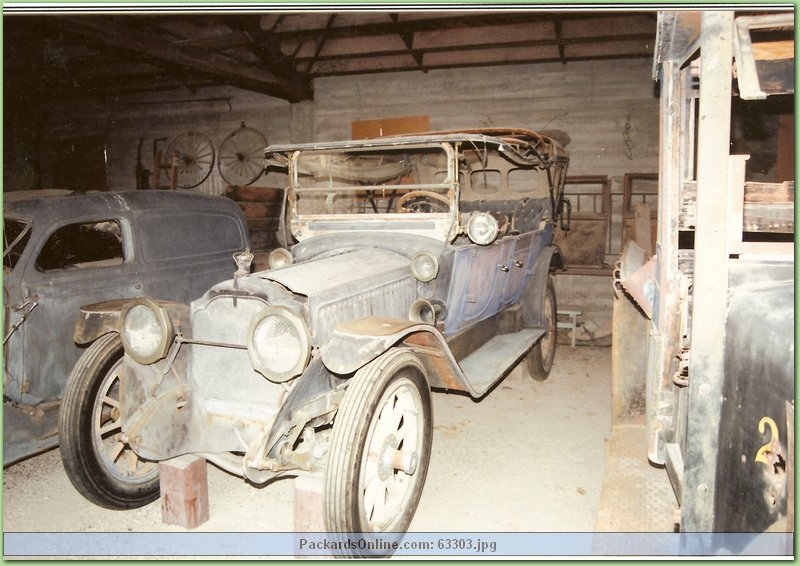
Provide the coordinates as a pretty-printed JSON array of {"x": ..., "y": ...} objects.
[
  {"x": 102, "y": 468},
  {"x": 541, "y": 356},
  {"x": 380, "y": 449}
]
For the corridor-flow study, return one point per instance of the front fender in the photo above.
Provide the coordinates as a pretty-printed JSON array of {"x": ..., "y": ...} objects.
[
  {"x": 98, "y": 319},
  {"x": 357, "y": 342}
]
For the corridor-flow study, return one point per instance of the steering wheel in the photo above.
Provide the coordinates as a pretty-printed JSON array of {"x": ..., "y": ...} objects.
[{"x": 422, "y": 201}]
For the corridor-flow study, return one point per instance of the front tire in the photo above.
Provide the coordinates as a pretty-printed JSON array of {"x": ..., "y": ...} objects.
[
  {"x": 102, "y": 468},
  {"x": 380, "y": 447},
  {"x": 541, "y": 356}
]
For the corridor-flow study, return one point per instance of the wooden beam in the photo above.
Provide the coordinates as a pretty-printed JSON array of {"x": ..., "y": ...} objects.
[
  {"x": 407, "y": 37},
  {"x": 560, "y": 40},
  {"x": 359, "y": 66},
  {"x": 711, "y": 268},
  {"x": 377, "y": 49},
  {"x": 422, "y": 21},
  {"x": 262, "y": 45},
  {"x": 110, "y": 32}
]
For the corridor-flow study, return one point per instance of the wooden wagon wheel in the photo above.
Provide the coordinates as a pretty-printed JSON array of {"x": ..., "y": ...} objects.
[
  {"x": 190, "y": 157},
  {"x": 241, "y": 156}
]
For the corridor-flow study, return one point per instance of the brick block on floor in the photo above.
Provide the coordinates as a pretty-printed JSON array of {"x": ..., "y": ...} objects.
[
  {"x": 309, "y": 510},
  {"x": 184, "y": 491}
]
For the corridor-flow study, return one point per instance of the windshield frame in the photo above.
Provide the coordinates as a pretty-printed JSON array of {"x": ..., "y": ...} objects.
[{"x": 441, "y": 226}]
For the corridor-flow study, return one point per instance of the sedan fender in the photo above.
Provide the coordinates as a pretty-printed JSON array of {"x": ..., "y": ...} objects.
[{"x": 98, "y": 319}]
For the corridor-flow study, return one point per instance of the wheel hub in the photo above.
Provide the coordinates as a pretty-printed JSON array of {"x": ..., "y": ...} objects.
[{"x": 392, "y": 459}]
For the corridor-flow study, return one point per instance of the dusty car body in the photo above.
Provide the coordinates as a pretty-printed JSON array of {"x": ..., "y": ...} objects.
[
  {"x": 422, "y": 261},
  {"x": 64, "y": 250}
]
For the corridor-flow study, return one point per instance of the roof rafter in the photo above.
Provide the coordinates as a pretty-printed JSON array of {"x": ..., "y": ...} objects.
[{"x": 110, "y": 31}]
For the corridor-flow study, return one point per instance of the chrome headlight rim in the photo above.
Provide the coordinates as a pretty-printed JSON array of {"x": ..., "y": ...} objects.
[
  {"x": 257, "y": 357},
  {"x": 160, "y": 316},
  {"x": 482, "y": 228},
  {"x": 280, "y": 257},
  {"x": 424, "y": 266}
]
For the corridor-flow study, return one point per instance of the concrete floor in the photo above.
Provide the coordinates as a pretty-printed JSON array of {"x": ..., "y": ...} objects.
[{"x": 530, "y": 457}]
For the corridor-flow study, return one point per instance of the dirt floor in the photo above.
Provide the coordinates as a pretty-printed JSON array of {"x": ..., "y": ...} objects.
[{"x": 529, "y": 457}]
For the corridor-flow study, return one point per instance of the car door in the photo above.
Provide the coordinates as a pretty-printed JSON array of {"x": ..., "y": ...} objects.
[
  {"x": 76, "y": 262},
  {"x": 518, "y": 266},
  {"x": 527, "y": 248},
  {"x": 478, "y": 279}
]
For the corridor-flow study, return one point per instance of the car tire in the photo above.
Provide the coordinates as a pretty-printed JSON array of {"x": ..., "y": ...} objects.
[
  {"x": 102, "y": 468},
  {"x": 380, "y": 449},
  {"x": 540, "y": 357}
]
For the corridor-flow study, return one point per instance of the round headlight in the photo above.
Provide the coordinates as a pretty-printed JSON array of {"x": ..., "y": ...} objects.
[
  {"x": 146, "y": 330},
  {"x": 280, "y": 258},
  {"x": 424, "y": 266},
  {"x": 482, "y": 228},
  {"x": 278, "y": 344}
]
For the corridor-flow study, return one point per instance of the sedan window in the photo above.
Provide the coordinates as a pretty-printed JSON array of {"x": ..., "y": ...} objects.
[
  {"x": 85, "y": 244},
  {"x": 15, "y": 237}
]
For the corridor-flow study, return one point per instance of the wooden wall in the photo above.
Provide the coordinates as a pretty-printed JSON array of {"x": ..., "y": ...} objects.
[{"x": 609, "y": 109}]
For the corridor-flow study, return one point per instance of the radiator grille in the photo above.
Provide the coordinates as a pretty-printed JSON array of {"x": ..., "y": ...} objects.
[{"x": 387, "y": 299}]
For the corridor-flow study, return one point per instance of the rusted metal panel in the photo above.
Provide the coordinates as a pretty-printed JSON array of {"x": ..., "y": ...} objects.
[
  {"x": 636, "y": 274},
  {"x": 700, "y": 343},
  {"x": 665, "y": 337},
  {"x": 755, "y": 447},
  {"x": 96, "y": 320}
]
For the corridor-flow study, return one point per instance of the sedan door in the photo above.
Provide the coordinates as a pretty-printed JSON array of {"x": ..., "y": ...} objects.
[
  {"x": 183, "y": 262},
  {"x": 75, "y": 263}
]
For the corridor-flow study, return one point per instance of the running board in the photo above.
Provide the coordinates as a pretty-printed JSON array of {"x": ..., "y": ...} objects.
[
  {"x": 491, "y": 362},
  {"x": 27, "y": 431}
]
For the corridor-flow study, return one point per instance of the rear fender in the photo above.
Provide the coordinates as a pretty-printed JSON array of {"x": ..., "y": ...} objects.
[
  {"x": 356, "y": 343},
  {"x": 536, "y": 287}
]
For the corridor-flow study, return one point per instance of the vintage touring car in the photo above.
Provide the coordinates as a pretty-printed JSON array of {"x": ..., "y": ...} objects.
[{"x": 421, "y": 262}]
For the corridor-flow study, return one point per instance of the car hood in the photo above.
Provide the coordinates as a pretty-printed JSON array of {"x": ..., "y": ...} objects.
[{"x": 318, "y": 276}]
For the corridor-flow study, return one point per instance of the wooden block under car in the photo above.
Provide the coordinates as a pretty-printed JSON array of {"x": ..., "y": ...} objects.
[
  {"x": 309, "y": 511},
  {"x": 184, "y": 491}
]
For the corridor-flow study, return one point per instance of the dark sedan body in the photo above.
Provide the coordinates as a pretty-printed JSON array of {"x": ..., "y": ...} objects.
[{"x": 65, "y": 250}]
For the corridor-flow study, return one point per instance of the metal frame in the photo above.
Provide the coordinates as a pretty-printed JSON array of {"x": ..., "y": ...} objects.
[{"x": 685, "y": 291}]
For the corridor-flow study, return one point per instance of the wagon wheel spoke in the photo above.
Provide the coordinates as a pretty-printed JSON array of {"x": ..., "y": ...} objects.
[
  {"x": 193, "y": 155},
  {"x": 241, "y": 156}
]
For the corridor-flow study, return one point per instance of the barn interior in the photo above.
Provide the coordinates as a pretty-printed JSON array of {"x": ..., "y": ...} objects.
[{"x": 95, "y": 99}]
